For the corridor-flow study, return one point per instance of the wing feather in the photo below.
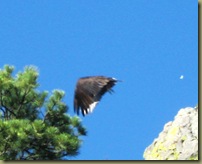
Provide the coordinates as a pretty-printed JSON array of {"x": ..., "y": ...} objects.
[{"x": 89, "y": 91}]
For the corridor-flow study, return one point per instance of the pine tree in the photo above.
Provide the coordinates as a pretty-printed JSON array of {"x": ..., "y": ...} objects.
[{"x": 35, "y": 125}]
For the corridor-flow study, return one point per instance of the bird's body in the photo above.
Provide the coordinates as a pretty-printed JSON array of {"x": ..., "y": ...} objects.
[{"x": 89, "y": 90}]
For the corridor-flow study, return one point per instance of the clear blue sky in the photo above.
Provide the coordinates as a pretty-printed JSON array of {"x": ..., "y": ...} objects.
[{"x": 147, "y": 44}]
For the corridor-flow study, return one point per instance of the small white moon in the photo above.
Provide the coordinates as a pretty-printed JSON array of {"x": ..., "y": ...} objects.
[{"x": 181, "y": 77}]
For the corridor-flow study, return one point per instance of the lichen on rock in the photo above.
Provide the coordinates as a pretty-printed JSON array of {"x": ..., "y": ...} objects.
[{"x": 178, "y": 140}]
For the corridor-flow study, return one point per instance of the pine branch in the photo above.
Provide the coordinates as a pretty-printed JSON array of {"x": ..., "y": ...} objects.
[{"x": 23, "y": 99}]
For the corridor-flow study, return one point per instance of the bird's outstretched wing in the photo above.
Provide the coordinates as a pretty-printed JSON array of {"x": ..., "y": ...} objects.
[{"x": 89, "y": 91}]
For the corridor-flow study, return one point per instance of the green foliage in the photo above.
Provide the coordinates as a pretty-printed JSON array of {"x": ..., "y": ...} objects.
[{"x": 34, "y": 125}]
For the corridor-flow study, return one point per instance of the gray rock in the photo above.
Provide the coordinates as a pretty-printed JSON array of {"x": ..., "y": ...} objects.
[{"x": 178, "y": 140}]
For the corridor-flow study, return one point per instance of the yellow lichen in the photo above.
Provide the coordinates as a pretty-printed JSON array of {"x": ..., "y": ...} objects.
[
  {"x": 173, "y": 131},
  {"x": 161, "y": 146},
  {"x": 184, "y": 138},
  {"x": 172, "y": 146}
]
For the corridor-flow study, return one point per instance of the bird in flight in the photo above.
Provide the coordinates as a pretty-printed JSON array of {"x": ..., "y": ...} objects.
[{"x": 89, "y": 91}]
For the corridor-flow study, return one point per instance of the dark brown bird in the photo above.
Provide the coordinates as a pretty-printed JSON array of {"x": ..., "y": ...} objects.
[{"x": 89, "y": 91}]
